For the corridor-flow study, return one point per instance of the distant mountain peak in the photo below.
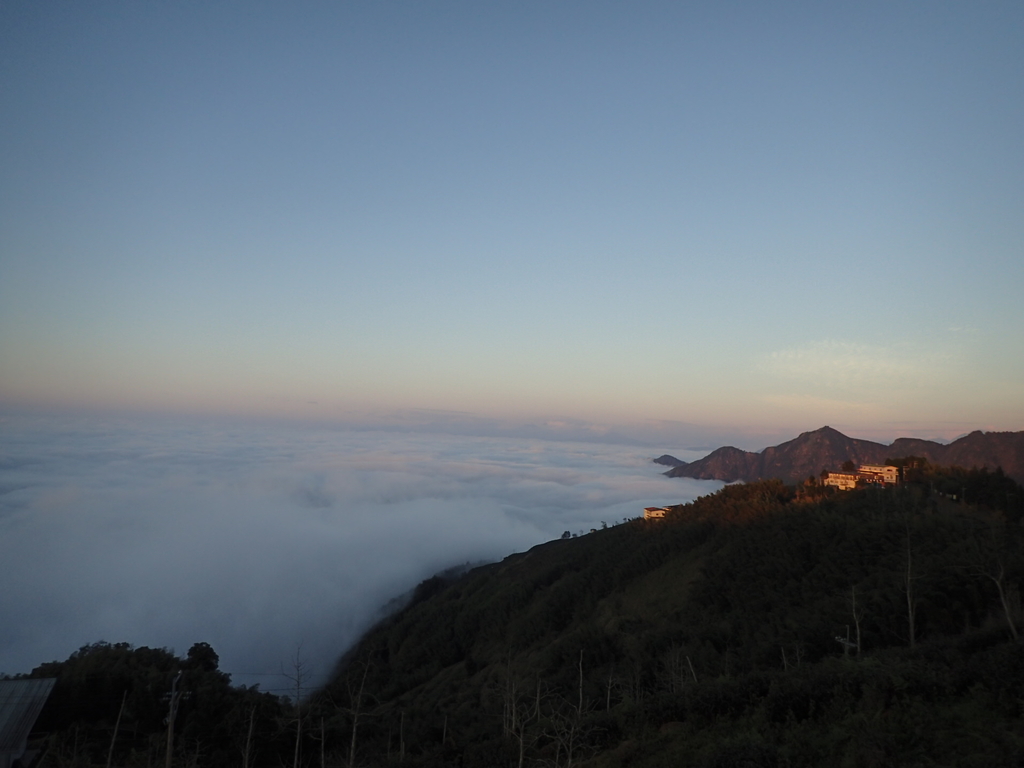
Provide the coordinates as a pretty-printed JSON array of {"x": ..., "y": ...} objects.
[
  {"x": 669, "y": 461},
  {"x": 827, "y": 448}
]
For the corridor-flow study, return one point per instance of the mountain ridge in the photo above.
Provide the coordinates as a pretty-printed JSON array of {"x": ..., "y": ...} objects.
[{"x": 827, "y": 448}]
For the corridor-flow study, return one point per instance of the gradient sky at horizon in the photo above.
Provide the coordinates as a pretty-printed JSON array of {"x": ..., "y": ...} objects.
[{"x": 736, "y": 215}]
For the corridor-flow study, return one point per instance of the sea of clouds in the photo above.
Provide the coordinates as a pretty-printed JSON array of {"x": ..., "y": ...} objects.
[{"x": 272, "y": 541}]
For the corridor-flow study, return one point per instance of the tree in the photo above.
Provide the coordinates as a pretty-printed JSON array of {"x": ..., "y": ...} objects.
[
  {"x": 908, "y": 583},
  {"x": 201, "y": 656},
  {"x": 356, "y": 699},
  {"x": 858, "y": 614},
  {"x": 519, "y": 714},
  {"x": 989, "y": 560},
  {"x": 298, "y": 678}
]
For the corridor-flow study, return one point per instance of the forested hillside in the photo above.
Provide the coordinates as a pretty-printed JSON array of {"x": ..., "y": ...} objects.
[{"x": 712, "y": 638}]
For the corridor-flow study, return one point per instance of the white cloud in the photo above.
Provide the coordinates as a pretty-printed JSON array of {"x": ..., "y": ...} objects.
[{"x": 258, "y": 539}]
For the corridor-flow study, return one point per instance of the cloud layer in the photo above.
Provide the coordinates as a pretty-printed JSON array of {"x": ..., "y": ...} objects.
[{"x": 260, "y": 539}]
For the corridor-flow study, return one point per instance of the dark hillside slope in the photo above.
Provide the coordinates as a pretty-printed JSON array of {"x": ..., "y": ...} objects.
[{"x": 709, "y": 638}]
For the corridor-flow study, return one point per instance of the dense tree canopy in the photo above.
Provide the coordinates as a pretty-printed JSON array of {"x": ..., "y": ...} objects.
[
  {"x": 756, "y": 626},
  {"x": 104, "y": 686}
]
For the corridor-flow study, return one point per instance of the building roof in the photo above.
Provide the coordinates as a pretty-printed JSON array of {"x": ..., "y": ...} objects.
[{"x": 20, "y": 704}]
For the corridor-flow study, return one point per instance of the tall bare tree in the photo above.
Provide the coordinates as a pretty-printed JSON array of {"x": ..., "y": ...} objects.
[
  {"x": 298, "y": 678},
  {"x": 247, "y": 752},
  {"x": 520, "y": 712},
  {"x": 117, "y": 725},
  {"x": 356, "y": 711},
  {"x": 858, "y": 614},
  {"x": 908, "y": 582},
  {"x": 989, "y": 561}
]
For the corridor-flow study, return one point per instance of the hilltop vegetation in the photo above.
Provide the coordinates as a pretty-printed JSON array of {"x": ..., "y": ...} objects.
[
  {"x": 764, "y": 625},
  {"x": 110, "y": 702}
]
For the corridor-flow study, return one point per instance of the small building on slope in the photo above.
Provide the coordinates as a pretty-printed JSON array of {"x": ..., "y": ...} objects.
[
  {"x": 875, "y": 474},
  {"x": 654, "y": 513},
  {"x": 844, "y": 481},
  {"x": 882, "y": 475},
  {"x": 21, "y": 701}
]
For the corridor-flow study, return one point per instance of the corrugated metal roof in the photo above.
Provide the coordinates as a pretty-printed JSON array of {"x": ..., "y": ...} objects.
[{"x": 20, "y": 704}]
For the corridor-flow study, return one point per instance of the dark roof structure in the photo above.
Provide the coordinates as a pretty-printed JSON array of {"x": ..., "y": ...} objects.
[{"x": 20, "y": 704}]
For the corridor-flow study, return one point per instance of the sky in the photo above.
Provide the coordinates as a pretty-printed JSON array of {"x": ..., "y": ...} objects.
[
  {"x": 272, "y": 543},
  {"x": 740, "y": 219}
]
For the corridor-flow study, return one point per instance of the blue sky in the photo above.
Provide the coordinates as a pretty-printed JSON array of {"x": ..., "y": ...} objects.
[{"x": 743, "y": 216}]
